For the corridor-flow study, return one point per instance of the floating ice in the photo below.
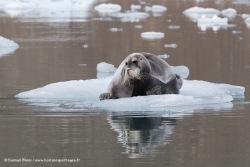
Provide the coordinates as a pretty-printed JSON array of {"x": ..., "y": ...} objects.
[
  {"x": 138, "y": 26},
  {"x": 247, "y": 21},
  {"x": 135, "y": 7},
  {"x": 152, "y": 35},
  {"x": 215, "y": 22},
  {"x": 47, "y": 10},
  {"x": 172, "y": 45},
  {"x": 103, "y": 19},
  {"x": 108, "y": 8},
  {"x": 244, "y": 16},
  {"x": 174, "y": 27},
  {"x": 155, "y": 8},
  {"x": 139, "y": 15},
  {"x": 196, "y": 12},
  {"x": 5, "y": 43},
  {"x": 85, "y": 94},
  {"x": 236, "y": 32},
  {"x": 182, "y": 71},
  {"x": 7, "y": 46},
  {"x": 163, "y": 56},
  {"x": 241, "y": 2},
  {"x": 105, "y": 67},
  {"x": 229, "y": 12},
  {"x": 115, "y": 29},
  {"x": 85, "y": 46}
]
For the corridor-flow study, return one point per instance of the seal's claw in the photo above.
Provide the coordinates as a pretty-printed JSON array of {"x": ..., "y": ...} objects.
[
  {"x": 105, "y": 96},
  {"x": 154, "y": 91}
]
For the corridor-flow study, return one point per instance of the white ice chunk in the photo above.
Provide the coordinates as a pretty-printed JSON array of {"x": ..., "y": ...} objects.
[
  {"x": 172, "y": 27},
  {"x": 247, "y": 2},
  {"x": 182, "y": 71},
  {"x": 139, "y": 15},
  {"x": 115, "y": 29},
  {"x": 108, "y": 8},
  {"x": 106, "y": 67},
  {"x": 135, "y": 7},
  {"x": 138, "y": 26},
  {"x": 152, "y": 35},
  {"x": 172, "y": 45},
  {"x": 244, "y": 16},
  {"x": 196, "y": 12},
  {"x": 229, "y": 12},
  {"x": 163, "y": 56},
  {"x": 155, "y": 8},
  {"x": 247, "y": 21},
  {"x": 201, "y": 10},
  {"x": 215, "y": 22},
  {"x": 236, "y": 32},
  {"x": 6, "y": 43},
  {"x": 81, "y": 94}
]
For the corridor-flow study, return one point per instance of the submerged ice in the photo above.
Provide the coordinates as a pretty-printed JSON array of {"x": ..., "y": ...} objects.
[{"x": 80, "y": 94}]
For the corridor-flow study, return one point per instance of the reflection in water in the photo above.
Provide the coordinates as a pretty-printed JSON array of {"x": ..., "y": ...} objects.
[{"x": 140, "y": 134}]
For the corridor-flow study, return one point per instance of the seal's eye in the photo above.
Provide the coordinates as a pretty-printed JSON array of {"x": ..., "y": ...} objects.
[
  {"x": 126, "y": 63},
  {"x": 141, "y": 59},
  {"x": 135, "y": 62}
]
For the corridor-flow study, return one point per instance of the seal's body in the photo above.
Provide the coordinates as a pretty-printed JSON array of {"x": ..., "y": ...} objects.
[{"x": 142, "y": 74}]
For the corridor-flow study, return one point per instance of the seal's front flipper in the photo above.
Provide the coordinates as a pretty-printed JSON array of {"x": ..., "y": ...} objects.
[
  {"x": 105, "y": 96},
  {"x": 156, "y": 90}
]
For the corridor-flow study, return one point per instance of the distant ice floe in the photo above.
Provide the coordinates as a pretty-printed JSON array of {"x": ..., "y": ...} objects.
[
  {"x": 47, "y": 10},
  {"x": 115, "y": 29},
  {"x": 172, "y": 45},
  {"x": 247, "y": 2},
  {"x": 135, "y": 7},
  {"x": 85, "y": 94},
  {"x": 155, "y": 8},
  {"x": 152, "y": 35},
  {"x": 108, "y": 8},
  {"x": 174, "y": 27},
  {"x": 210, "y": 16},
  {"x": 131, "y": 16},
  {"x": 196, "y": 12},
  {"x": 163, "y": 56},
  {"x": 229, "y": 12},
  {"x": 236, "y": 32},
  {"x": 138, "y": 26},
  {"x": 215, "y": 22},
  {"x": 7, "y": 46},
  {"x": 247, "y": 21}
]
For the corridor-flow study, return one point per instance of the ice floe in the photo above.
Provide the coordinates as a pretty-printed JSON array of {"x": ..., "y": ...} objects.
[
  {"x": 182, "y": 71},
  {"x": 115, "y": 29},
  {"x": 138, "y": 26},
  {"x": 155, "y": 8},
  {"x": 196, "y": 12},
  {"x": 172, "y": 45},
  {"x": 236, "y": 32},
  {"x": 244, "y": 16},
  {"x": 105, "y": 67},
  {"x": 172, "y": 27},
  {"x": 163, "y": 56},
  {"x": 229, "y": 12},
  {"x": 135, "y": 7},
  {"x": 7, "y": 46},
  {"x": 152, "y": 35},
  {"x": 108, "y": 8},
  {"x": 47, "y": 10},
  {"x": 215, "y": 22},
  {"x": 247, "y": 21},
  {"x": 85, "y": 94}
]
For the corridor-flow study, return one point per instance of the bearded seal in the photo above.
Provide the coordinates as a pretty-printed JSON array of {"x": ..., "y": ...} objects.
[{"x": 142, "y": 74}]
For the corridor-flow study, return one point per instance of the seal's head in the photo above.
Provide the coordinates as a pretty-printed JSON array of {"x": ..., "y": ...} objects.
[{"x": 136, "y": 67}]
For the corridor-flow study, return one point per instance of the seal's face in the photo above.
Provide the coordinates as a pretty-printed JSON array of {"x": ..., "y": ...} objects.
[{"x": 135, "y": 68}]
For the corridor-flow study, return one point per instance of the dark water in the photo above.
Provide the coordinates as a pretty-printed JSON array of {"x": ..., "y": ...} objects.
[{"x": 51, "y": 51}]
